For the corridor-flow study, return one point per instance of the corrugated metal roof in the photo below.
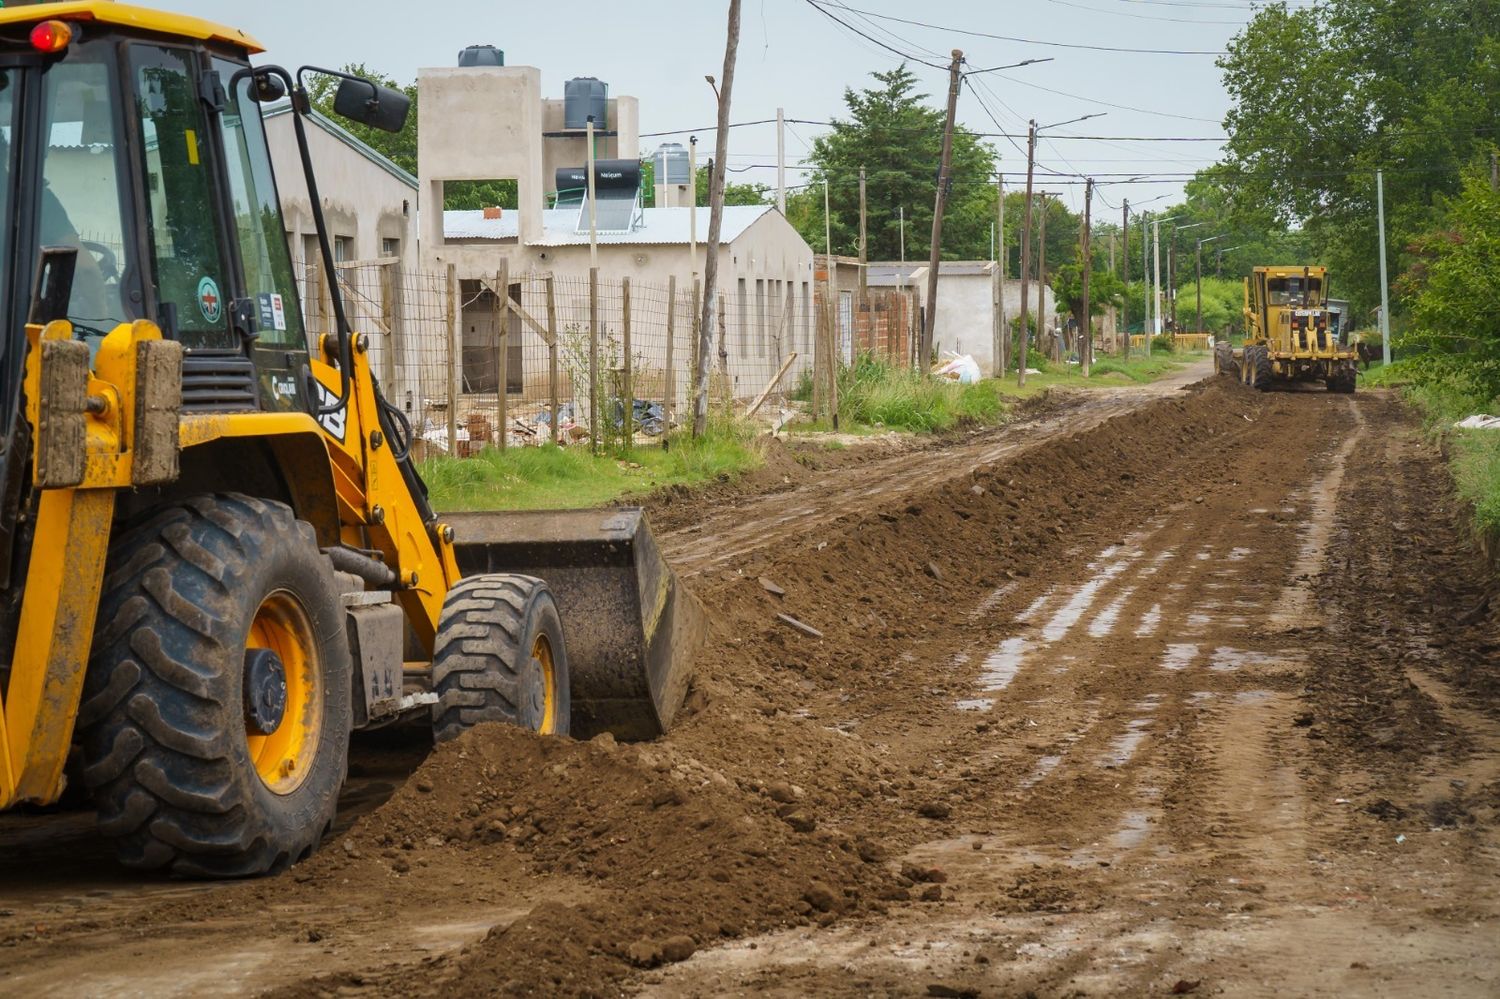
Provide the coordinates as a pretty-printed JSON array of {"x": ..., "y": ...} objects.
[{"x": 560, "y": 226}]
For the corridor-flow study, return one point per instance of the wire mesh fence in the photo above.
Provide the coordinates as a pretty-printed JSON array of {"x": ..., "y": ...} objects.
[{"x": 574, "y": 359}]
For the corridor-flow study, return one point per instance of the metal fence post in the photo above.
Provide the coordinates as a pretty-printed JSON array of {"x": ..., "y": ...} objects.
[
  {"x": 454, "y": 346},
  {"x": 502, "y": 349},
  {"x": 628, "y": 389},
  {"x": 669, "y": 400},
  {"x": 594, "y": 359},
  {"x": 552, "y": 355}
]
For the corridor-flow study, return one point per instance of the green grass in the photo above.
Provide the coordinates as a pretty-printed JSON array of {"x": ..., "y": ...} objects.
[
  {"x": 1106, "y": 371},
  {"x": 875, "y": 394},
  {"x": 1474, "y": 455},
  {"x": 1476, "y": 470},
  {"x": 550, "y": 477}
]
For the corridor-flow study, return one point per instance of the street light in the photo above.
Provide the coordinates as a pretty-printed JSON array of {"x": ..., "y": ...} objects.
[
  {"x": 1156, "y": 276},
  {"x": 1172, "y": 266},
  {"x": 1031, "y": 134},
  {"x": 1198, "y": 271},
  {"x": 1125, "y": 261},
  {"x": 1219, "y": 257}
]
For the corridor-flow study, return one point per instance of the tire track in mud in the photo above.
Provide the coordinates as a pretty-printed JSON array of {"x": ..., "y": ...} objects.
[{"x": 1158, "y": 814}]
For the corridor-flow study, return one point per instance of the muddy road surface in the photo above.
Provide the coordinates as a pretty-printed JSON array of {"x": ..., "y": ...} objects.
[{"x": 1188, "y": 690}]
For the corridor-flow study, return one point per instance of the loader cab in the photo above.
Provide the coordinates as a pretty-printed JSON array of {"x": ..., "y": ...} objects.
[{"x": 146, "y": 154}]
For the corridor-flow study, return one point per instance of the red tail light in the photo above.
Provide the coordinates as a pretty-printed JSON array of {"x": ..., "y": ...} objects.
[{"x": 51, "y": 36}]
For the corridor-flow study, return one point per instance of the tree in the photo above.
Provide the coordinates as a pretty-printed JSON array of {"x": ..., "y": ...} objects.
[
  {"x": 1324, "y": 95},
  {"x": 398, "y": 147},
  {"x": 1105, "y": 289},
  {"x": 897, "y": 137}
]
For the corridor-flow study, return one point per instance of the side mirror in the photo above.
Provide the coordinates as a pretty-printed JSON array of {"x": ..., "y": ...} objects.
[{"x": 371, "y": 104}]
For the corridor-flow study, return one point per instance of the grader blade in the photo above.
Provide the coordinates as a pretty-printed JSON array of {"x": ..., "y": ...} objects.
[{"x": 632, "y": 629}]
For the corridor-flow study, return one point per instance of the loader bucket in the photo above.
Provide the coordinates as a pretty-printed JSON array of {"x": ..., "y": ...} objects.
[{"x": 631, "y": 628}]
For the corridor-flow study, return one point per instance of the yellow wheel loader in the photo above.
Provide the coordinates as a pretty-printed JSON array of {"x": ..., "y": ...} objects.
[
  {"x": 1291, "y": 334},
  {"x": 217, "y": 560}
]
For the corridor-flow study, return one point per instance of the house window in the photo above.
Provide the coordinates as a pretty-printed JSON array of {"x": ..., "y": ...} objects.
[
  {"x": 390, "y": 247},
  {"x": 343, "y": 248}
]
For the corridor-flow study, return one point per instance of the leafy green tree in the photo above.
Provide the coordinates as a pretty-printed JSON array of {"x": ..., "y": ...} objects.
[
  {"x": 1454, "y": 290},
  {"x": 896, "y": 136},
  {"x": 1105, "y": 289},
  {"x": 1325, "y": 94},
  {"x": 398, "y": 147}
]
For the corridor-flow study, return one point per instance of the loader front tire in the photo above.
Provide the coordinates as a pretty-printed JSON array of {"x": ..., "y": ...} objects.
[
  {"x": 216, "y": 713},
  {"x": 500, "y": 657}
]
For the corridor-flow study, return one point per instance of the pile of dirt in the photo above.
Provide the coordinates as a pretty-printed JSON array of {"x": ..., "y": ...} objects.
[{"x": 673, "y": 856}]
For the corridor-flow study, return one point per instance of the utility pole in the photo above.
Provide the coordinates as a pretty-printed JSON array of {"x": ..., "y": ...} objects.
[
  {"x": 1041, "y": 268},
  {"x": 939, "y": 206},
  {"x": 1172, "y": 277},
  {"x": 1026, "y": 253},
  {"x": 1002, "y": 328},
  {"x": 1385, "y": 285},
  {"x": 864, "y": 284},
  {"x": 1125, "y": 261},
  {"x": 1086, "y": 347},
  {"x": 715, "y": 220},
  {"x": 1198, "y": 278},
  {"x": 1156, "y": 281},
  {"x": 1145, "y": 285},
  {"x": 781, "y": 160}
]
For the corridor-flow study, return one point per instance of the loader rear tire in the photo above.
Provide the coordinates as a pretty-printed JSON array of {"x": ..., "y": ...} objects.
[
  {"x": 194, "y": 769},
  {"x": 500, "y": 657}
]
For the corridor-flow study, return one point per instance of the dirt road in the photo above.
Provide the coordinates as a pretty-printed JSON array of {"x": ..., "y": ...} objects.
[{"x": 1179, "y": 690}]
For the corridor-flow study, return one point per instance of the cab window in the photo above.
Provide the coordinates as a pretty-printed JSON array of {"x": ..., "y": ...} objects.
[
  {"x": 80, "y": 203},
  {"x": 257, "y": 217},
  {"x": 187, "y": 255}
]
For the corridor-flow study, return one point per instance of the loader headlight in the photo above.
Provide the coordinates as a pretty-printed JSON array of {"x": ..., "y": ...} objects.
[{"x": 51, "y": 36}]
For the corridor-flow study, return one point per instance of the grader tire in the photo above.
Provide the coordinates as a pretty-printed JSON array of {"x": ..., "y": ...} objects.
[
  {"x": 1260, "y": 367},
  {"x": 194, "y": 769},
  {"x": 500, "y": 657},
  {"x": 1224, "y": 363}
]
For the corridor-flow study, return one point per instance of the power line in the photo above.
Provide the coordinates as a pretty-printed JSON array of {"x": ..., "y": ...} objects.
[
  {"x": 1024, "y": 41},
  {"x": 868, "y": 37}
]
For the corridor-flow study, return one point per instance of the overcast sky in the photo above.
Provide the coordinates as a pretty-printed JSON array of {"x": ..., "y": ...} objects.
[{"x": 792, "y": 56}]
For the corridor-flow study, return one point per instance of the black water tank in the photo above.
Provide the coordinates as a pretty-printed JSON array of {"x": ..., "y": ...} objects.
[
  {"x": 582, "y": 97},
  {"x": 480, "y": 56}
]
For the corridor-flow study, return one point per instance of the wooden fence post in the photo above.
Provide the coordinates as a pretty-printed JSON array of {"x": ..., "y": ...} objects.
[
  {"x": 594, "y": 359},
  {"x": 455, "y": 345},
  {"x": 552, "y": 355},
  {"x": 502, "y": 349},
  {"x": 388, "y": 280},
  {"x": 669, "y": 396},
  {"x": 628, "y": 389}
]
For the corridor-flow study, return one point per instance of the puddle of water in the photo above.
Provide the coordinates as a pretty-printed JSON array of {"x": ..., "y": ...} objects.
[
  {"x": 1179, "y": 657},
  {"x": 1104, "y": 623},
  {"x": 1035, "y": 607},
  {"x": 1044, "y": 766},
  {"x": 1081, "y": 601},
  {"x": 1123, "y": 747},
  {"x": 1149, "y": 622},
  {"x": 1135, "y": 826},
  {"x": 1253, "y": 696},
  {"x": 1001, "y": 666},
  {"x": 1228, "y": 660}
]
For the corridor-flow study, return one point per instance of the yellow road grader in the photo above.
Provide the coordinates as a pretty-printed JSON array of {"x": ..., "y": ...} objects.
[
  {"x": 1291, "y": 334},
  {"x": 217, "y": 559}
]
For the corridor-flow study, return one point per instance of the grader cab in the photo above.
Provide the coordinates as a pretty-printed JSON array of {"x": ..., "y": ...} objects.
[
  {"x": 1291, "y": 333},
  {"x": 217, "y": 558}
]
